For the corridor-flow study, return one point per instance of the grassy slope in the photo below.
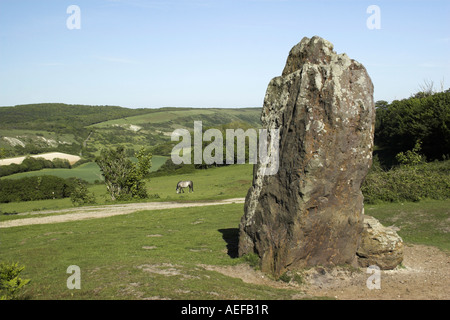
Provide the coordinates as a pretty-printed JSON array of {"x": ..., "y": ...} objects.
[
  {"x": 184, "y": 116},
  {"x": 156, "y": 127},
  {"x": 71, "y": 125},
  {"x": 87, "y": 171}
]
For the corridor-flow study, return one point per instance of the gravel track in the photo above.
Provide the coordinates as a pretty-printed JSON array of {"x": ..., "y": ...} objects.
[{"x": 95, "y": 212}]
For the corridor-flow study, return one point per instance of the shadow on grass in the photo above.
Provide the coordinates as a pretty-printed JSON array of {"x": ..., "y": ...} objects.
[{"x": 231, "y": 237}]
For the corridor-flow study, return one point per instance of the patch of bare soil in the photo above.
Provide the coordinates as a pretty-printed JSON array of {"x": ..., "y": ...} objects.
[
  {"x": 246, "y": 274},
  {"x": 424, "y": 275},
  {"x": 48, "y": 156},
  {"x": 166, "y": 269}
]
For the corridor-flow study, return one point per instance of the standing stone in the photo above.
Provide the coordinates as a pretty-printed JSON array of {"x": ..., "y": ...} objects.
[{"x": 310, "y": 211}]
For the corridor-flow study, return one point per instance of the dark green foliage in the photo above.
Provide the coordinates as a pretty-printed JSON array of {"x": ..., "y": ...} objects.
[
  {"x": 169, "y": 168},
  {"x": 407, "y": 133},
  {"x": 423, "y": 117},
  {"x": 410, "y": 132},
  {"x": 60, "y": 117},
  {"x": 80, "y": 194},
  {"x": 35, "y": 188},
  {"x": 33, "y": 164},
  {"x": 408, "y": 183}
]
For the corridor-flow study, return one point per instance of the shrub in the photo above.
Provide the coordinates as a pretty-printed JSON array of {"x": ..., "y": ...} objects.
[
  {"x": 10, "y": 283},
  {"x": 34, "y": 188},
  {"x": 411, "y": 157},
  {"x": 80, "y": 194},
  {"x": 408, "y": 183}
]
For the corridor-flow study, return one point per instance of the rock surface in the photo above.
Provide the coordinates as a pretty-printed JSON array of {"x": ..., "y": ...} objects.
[
  {"x": 310, "y": 211},
  {"x": 380, "y": 246}
]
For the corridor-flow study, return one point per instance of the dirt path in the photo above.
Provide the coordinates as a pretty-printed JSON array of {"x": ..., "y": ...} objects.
[
  {"x": 94, "y": 212},
  {"x": 424, "y": 275}
]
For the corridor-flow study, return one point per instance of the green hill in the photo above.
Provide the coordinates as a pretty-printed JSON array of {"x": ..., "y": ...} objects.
[{"x": 85, "y": 130}]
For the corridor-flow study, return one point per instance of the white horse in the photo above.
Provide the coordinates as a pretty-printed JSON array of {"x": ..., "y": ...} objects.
[{"x": 185, "y": 184}]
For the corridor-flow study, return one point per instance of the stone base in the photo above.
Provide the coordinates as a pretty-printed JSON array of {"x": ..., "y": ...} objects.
[{"x": 380, "y": 246}]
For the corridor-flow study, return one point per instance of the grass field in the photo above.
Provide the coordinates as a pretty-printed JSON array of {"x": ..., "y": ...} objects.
[
  {"x": 212, "y": 184},
  {"x": 87, "y": 171},
  {"x": 180, "y": 116},
  {"x": 146, "y": 254},
  {"x": 165, "y": 253},
  {"x": 425, "y": 222},
  {"x": 156, "y": 117}
]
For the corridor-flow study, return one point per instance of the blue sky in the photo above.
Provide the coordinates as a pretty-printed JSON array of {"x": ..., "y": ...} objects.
[{"x": 207, "y": 53}]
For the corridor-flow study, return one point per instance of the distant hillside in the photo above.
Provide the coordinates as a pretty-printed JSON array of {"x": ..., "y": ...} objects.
[
  {"x": 60, "y": 117},
  {"x": 84, "y": 130}
]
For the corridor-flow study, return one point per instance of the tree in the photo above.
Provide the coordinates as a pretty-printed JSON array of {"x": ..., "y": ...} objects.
[
  {"x": 426, "y": 118},
  {"x": 80, "y": 195},
  {"x": 123, "y": 178},
  {"x": 135, "y": 181}
]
